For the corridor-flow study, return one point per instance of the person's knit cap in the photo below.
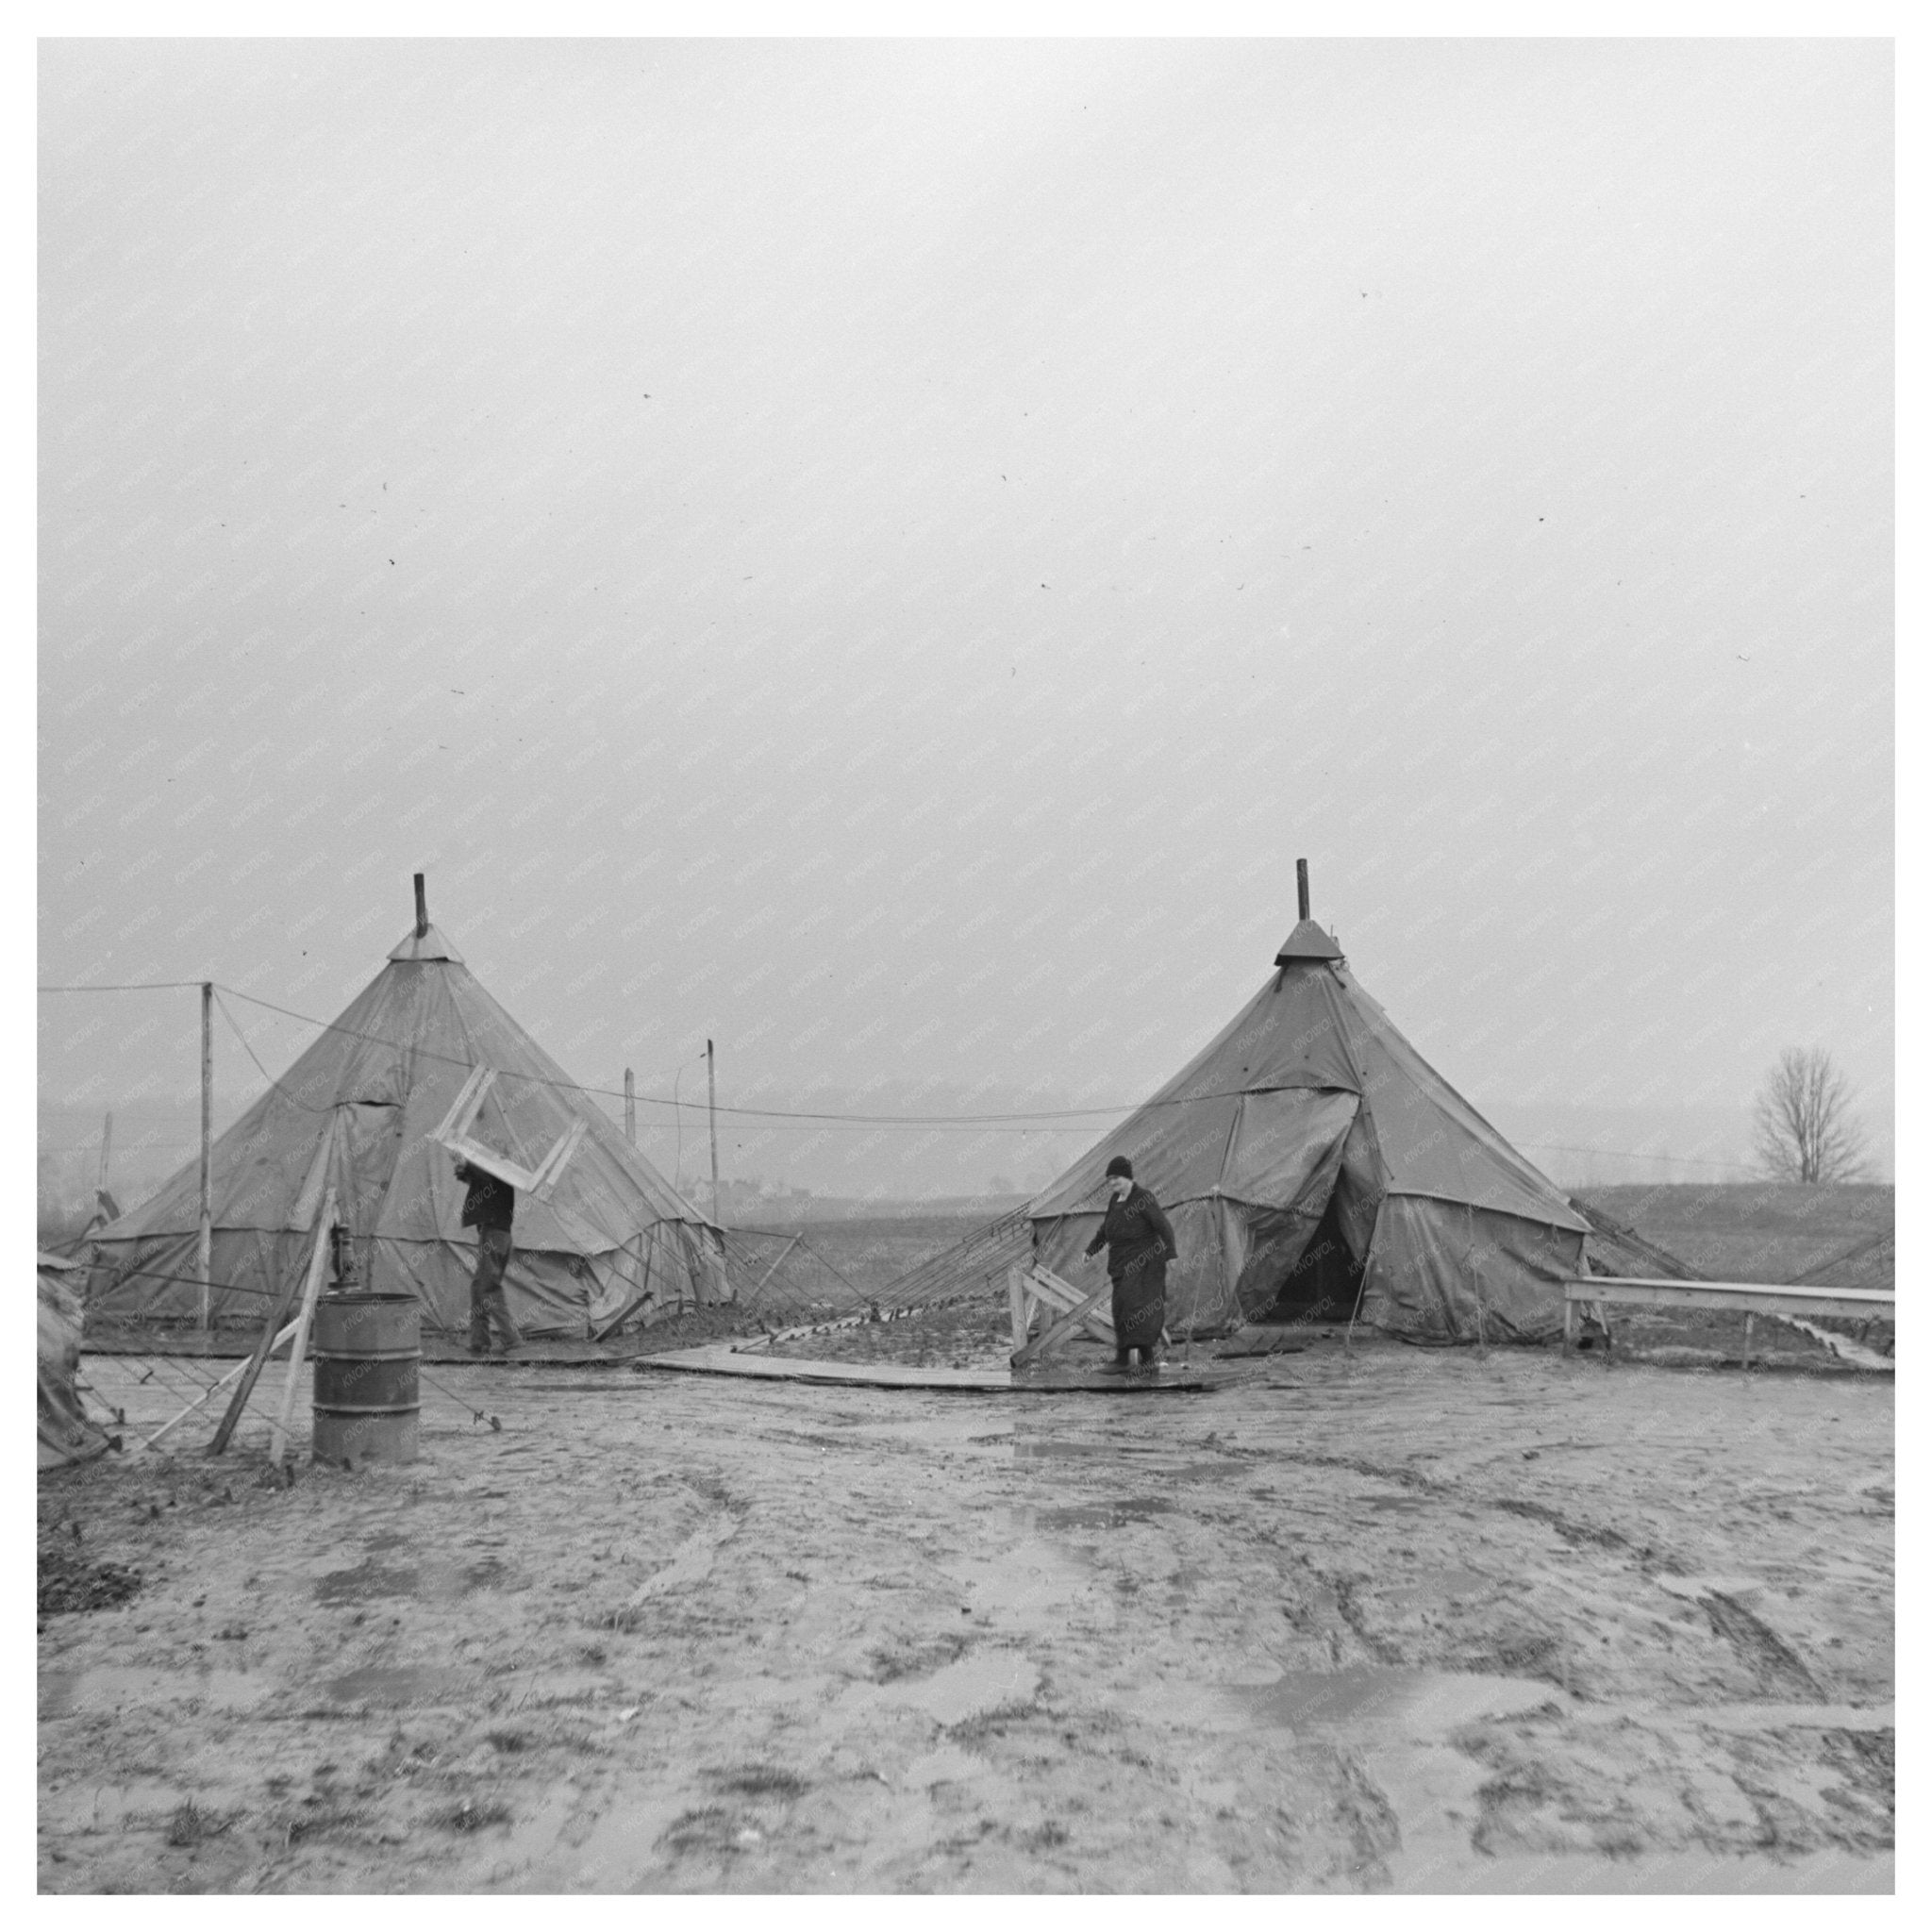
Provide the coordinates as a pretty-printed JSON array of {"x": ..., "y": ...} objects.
[{"x": 1120, "y": 1165}]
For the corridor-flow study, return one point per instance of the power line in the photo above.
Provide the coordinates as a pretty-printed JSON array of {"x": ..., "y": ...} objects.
[
  {"x": 1010, "y": 1120},
  {"x": 128, "y": 1145},
  {"x": 236, "y": 1031},
  {"x": 1630, "y": 1154},
  {"x": 137, "y": 986},
  {"x": 1070, "y": 1114}
]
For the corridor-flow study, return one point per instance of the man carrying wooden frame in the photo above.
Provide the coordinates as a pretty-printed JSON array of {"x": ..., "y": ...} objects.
[
  {"x": 491, "y": 1206},
  {"x": 490, "y": 1209}
]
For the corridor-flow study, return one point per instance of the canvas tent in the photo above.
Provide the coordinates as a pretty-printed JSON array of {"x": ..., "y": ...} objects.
[
  {"x": 355, "y": 1112},
  {"x": 1310, "y": 1158},
  {"x": 66, "y": 1434}
]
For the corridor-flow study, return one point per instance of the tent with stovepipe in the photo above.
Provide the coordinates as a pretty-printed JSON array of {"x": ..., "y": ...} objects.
[
  {"x": 1313, "y": 1163},
  {"x": 358, "y": 1113}
]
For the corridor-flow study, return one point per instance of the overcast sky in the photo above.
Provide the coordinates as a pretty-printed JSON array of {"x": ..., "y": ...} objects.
[{"x": 885, "y": 553}]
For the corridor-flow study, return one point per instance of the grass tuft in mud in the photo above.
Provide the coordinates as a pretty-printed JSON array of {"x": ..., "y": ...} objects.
[
  {"x": 470, "y": 1816},
  {"x": 320, "y": 1818},
  {"x": 917, "y": 1656},
  {"x": 192, "y": 1825},
  {"x": 708, "y": 1828},
  {"x": 69, "y": 1583},
  {"x": 762, "y": 1781}
]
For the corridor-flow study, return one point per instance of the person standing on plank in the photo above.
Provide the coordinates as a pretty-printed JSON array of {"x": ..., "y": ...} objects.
[
  {"x": 1139, "y": 1243},
  {"x": 490, "y": 1209}
]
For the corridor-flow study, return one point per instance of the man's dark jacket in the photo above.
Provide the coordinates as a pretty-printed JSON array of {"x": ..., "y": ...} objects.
[
  {"x": 1134, "y": 1229},
  {"x": 491, "y": 1203}
]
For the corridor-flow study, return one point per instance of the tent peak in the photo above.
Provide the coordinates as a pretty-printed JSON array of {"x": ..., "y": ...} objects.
[
  {"x": 427, "y": 944},
  {"x": 1306, "y": 941}
]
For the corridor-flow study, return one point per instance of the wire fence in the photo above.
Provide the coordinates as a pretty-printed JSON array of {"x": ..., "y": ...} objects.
[{"x": 134, "y": 1396}]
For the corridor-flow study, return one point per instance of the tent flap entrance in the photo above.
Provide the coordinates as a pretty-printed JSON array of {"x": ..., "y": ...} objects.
[
  {"x": 1245, "y": 1188},
  {"x": 1322, "y": 1284}
]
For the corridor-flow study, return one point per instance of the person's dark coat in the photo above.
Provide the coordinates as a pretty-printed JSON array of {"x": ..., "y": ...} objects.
[
  {"x": 1139, "y": 1243},
  {"x": 1133, "y": 1231},
  {"x": 491, "y": 1202}
]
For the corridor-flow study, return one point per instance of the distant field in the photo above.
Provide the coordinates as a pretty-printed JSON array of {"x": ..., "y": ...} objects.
[
  {"x": 873, "y": 1254},
  {"x": 1763, "y": 1231}
]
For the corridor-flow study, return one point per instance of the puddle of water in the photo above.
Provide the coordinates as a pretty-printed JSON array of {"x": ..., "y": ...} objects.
[
  {"x": 1694, "y": 1586},
  {"x": 396, "y": 1684},
  {"x": 1371, "y": 1694},
  {"x": 1029, "y": 1577},
  {"x": 1367, "y": 1699},
  {"x": 1115, "y": 1514},
  {"x": 438, "y": 1582},
  {"x": 983, "y": 1682},
  {"x": 119, "y": 1687},
  {"x": 365, "y": 1581},
  {"x": 1437, "y": 1586}
]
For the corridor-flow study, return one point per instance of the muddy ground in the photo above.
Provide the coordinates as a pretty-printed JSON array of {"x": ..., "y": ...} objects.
[{"x": 1393, "y": 1620}]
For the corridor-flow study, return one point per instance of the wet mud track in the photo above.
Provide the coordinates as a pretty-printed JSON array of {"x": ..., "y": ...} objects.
[{"x": 1397, "y": 1623}]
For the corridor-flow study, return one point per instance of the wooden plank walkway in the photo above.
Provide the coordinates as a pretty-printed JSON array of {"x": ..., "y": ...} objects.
[
  {"x": 1753, "y": 1298},
  {"x": 724, "y": 1362}
]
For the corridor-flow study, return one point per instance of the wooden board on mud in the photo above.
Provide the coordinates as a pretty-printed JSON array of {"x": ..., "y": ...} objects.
[{"x": 724, "y": 1362}]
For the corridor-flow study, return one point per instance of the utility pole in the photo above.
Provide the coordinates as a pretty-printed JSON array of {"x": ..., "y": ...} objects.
[
  {"x": 203, "y": 1246},
  {"x": 711, "y": 1077},
  {"x": 630, "y": 1107}
]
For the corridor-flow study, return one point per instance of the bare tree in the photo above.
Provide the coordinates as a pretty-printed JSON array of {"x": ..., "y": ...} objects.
[{"x": 1805, "y": 1130}]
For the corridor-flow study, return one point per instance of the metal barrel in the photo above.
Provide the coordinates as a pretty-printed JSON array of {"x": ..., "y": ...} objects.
[{"x": 367, "y": 1348}]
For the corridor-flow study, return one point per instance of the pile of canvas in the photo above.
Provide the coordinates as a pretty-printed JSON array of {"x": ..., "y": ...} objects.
[{"x": 66, "y": 1434}]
